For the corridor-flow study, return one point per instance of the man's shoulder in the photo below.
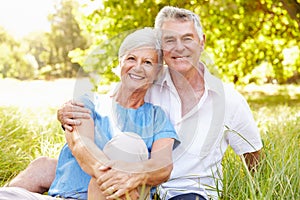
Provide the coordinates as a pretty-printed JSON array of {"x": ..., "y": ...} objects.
[
  {"x": 233, "y": 98},
  {"x": 231, "y": 91}
]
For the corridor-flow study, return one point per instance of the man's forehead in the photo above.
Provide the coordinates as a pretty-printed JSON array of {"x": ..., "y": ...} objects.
[
  {"x": 169, "y": 32},
  {"x": 173, "y": 27},
  {"x": 174, "y": 33}
]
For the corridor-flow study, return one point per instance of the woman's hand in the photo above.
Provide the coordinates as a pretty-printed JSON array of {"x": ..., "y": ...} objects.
[
  {"x": 70, "y": 113},
  {"x": 120, "y": 179}
]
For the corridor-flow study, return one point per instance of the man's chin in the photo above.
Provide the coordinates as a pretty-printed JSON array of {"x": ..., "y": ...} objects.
[{"x": 179, "y": 66}]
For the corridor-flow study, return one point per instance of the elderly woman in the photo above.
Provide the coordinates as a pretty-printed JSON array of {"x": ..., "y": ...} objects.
[
  {"x": 124, "y": 127},
  {"x": 124, "y": 136}
]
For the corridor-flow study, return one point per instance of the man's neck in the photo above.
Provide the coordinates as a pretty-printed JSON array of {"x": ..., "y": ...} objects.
[{"x": 190, "y": 88}]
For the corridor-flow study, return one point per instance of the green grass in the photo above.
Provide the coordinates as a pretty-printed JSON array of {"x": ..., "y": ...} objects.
[
  {"x": 24, "y": 135},
  {"x": 27, "y": 134},
  {"x": 278, "y": 176}
]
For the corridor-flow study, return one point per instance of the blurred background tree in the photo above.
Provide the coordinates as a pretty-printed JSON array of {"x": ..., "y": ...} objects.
[
  {"x": 247, "y": 41},
  {"x": 13, "y": 62},
  {"x": 64, "y": 37}
]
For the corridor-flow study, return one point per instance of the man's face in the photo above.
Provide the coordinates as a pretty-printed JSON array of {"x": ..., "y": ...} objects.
[{"x": 181, "y": 45}]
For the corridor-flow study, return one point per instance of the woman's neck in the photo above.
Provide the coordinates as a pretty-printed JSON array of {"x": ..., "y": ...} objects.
[{"x": 130, "y": 99}]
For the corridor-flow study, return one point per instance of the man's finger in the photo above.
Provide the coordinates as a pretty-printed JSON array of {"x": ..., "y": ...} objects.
[
  {"x": 77, "y": 115},
  {"x": 73, "y": 108},
  {"x": 67, "y": 127},
  {"x": 72, "y": 122},
  {"x": 77, "y": 103}
]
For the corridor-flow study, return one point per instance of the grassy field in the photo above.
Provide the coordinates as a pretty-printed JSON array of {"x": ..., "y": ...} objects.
[{"x": 26, "y": 133}]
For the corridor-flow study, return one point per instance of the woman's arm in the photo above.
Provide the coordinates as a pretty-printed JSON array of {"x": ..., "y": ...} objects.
[
  {"x": 86, "y": 152},
  {"x": 89, "y": 157},
  {"x": 126, "y": 176},
  {"x": 159, "y": 167}
]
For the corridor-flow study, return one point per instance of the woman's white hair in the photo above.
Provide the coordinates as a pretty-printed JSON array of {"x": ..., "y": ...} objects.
[{"x": 146, "y": 37}]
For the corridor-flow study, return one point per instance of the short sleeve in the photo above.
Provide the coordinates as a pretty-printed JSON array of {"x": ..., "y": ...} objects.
[
  {"x": 163, "y": 128},
  {"x": 88, "y": 100},
  {"x": 243, "y": 134}
]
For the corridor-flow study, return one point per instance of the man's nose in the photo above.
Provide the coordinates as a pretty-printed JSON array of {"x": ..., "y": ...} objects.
[{"x": 179, "y": 46}]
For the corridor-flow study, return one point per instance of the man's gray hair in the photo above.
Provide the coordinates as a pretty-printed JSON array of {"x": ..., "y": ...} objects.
[
  {"x": 174, "y": 13},
  {"x": 146, "y": 37}
]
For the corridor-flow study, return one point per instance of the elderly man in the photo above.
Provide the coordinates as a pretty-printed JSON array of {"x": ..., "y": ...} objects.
[{"x": 207, "y": 114}]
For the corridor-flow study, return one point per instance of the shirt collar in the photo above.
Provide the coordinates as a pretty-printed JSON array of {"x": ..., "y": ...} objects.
[{"x": 210, "y": 80}]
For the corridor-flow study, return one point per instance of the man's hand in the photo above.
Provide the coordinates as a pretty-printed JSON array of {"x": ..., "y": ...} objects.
[
  {"x": 252, "y": 160},
  {"x": 70, "y": 114}
]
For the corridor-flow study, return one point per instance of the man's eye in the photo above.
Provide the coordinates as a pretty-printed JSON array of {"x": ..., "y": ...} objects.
[
  {"x": 187, "y": 39},
  {"x": 148, "y": 62},
  {"x": 169, "y": 41}
]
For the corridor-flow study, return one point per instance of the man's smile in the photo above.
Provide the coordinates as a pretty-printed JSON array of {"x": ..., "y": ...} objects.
[{"x": 180, "y": 58}]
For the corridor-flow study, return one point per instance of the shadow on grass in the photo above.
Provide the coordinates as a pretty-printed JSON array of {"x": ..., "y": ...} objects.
[
  {"x": 274, "y": 100},
  {"x": 282, "y": 96}
]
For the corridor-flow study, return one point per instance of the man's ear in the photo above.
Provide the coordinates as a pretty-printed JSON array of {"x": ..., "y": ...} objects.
[
  {"x": 202, "y": 42},
  {"x": 204, "y": 38}
]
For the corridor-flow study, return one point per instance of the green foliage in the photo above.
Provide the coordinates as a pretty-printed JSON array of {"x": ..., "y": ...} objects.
[
  {"x": 248, "y": 41},
  {"x": 243, "y": 44},
  {"x": 13, "y": 59},
  {"x": 65, "y": 36},
  {"x": 44, "y": 55}
]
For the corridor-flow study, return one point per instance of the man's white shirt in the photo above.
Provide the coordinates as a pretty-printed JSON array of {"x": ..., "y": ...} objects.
[{"x": 222, "y": 117}]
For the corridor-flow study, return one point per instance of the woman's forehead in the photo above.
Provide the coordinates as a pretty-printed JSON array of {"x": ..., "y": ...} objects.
[{"x": 143, "y": 51}]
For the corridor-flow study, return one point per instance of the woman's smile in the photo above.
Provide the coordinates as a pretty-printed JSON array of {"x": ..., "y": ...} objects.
[{"x": 137, "y": 77}]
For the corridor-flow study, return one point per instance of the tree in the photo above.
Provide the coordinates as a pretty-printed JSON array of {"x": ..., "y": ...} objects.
[
  {"x": 13, "y": 62},
  {"x": 65, "y": 36},
  {"x": 248, "y": 41}
]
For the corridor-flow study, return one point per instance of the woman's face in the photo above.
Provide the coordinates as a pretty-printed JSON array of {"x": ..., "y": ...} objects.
[{"x": 139, "y": 68}]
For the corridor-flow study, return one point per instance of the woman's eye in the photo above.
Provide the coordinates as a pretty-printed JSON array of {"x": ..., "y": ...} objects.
[{"x": 130, "y": 58}]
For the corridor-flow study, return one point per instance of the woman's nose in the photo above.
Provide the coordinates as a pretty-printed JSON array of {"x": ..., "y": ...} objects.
[{"x": 138, "y": 66}]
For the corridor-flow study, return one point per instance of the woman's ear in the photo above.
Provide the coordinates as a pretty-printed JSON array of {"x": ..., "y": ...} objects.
[{"x": 158, "y": 72}]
